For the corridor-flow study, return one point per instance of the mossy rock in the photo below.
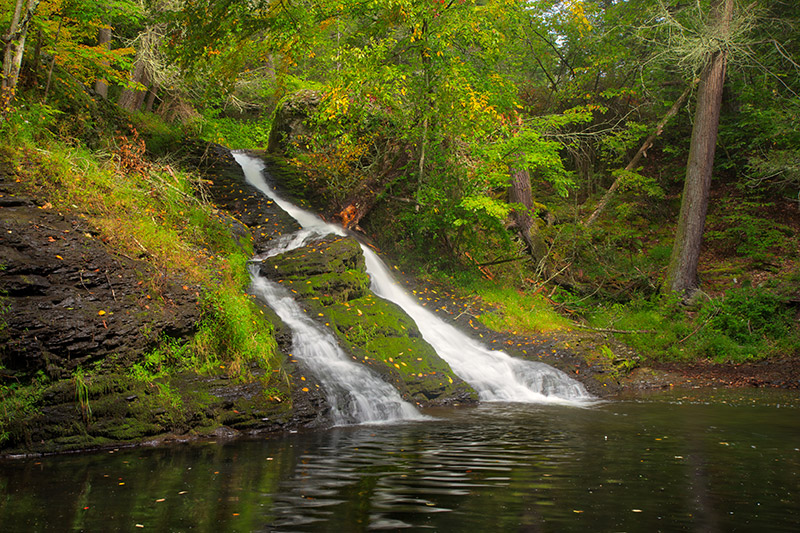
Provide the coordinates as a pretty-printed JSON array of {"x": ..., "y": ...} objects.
[
  {"x": 330, "y": 288},
  {"x": 380, "y": 334},
  {"x": 118, "y": 409},
  {"x": 329, "y": 278},
  {"x": 329, "y": 255}
]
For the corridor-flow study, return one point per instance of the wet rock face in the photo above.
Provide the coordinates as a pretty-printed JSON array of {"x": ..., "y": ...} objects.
[
  {"x": 68, "y": 302},
  {"x": 329, "y": 278}
]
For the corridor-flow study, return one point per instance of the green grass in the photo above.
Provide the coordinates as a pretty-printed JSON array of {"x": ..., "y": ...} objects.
[
  {"x": 519, "y": 312},
  {"x": 235, "y": 134}
]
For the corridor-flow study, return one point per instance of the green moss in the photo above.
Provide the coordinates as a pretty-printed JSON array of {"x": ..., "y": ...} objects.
[
  {"x": 330, "y": 288},
  {"x": 333, "y": 254}
]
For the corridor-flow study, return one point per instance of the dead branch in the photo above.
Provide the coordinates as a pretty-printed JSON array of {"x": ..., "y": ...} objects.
[{"x": 642, "y": 152}]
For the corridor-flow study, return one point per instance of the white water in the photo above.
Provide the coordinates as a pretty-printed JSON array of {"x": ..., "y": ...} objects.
[
  {"x": 495, "y": 375},
  {"x": 355, "y": 395}
]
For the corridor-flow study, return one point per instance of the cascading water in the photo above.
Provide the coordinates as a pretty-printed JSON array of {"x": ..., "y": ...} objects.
[
  {"x": 356, "y": 396},
  {"x": 353, "y": 392},
  {"x": 495, "y": 375}
]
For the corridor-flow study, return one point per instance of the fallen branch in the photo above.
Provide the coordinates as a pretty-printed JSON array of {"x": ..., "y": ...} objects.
[{"x": 622, "y": 331}]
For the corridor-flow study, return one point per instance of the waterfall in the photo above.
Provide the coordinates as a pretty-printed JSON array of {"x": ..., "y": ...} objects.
[
  {"x": 495, "y": 375},
  {"x": 354, "y": 393}
]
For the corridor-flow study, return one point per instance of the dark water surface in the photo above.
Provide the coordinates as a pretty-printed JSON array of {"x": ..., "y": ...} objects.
[{"x": 676, "y": 462}]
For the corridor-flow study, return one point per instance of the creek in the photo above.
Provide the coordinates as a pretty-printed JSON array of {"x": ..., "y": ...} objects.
[
  {"x": 549, "y": 460},
  {"x": 677, "y": 461}
]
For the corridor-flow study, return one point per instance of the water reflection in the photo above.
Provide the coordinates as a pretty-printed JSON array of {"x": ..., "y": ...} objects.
[{"x": 626, "y": 466}]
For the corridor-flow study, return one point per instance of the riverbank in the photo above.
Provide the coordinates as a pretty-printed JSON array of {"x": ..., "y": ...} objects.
[{"x": 75, "y": 302}]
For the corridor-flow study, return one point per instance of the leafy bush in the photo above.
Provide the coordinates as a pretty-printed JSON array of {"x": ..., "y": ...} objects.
[
  {"x": 747, "y": 324},
  {"x": 744, "y": 229},
  {"x": 748, "y": 314}
]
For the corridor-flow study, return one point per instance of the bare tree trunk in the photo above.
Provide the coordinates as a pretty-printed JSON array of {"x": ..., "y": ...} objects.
[
  {"x": 638, "y": 157},
  {"x": 131, "y": 99},
  {"x": 52, "y": 62},
  {"x": 520, "y": 193},
  {"x": 103, "y": 40},
  {"x": 14, "y": 42},
  {"x": 682, "y": 271},
  {"x": 152, "y": 94}
]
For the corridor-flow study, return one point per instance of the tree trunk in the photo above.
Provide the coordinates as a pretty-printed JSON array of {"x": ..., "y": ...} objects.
[
  {"x": 520, "y": 193},
  {"x": 104, "y": 41},
  {"x": 14, "y": 43},
  {"x": 132, "y": 99},
  {"x": 682, "y": 271},
  {"x": 639, "y": 154},
  {"x": 152, "y": 94}
]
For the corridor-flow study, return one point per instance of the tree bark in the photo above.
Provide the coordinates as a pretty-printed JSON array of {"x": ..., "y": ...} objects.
[
  {"x": 639, "y": 154},
  {"x": 682, "y": 271},
  {"x": 103, "y": 40},
  {"x": 520, "y": 193},
  {"x": 14, "y": 42},
  {"x": 132, "y": 99}
]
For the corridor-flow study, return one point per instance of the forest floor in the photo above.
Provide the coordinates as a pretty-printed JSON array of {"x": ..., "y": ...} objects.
[{"x": 647, "y": 375}]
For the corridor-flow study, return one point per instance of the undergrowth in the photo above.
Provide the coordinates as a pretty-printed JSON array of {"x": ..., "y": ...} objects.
[
  {"x": 158, "y": 214},
  {"x": 746, "y": 324},
  {"x": 518, "y": 312}
]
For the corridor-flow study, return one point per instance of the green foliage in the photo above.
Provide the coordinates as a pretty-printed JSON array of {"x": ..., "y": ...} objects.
[
  {"x": 750, "y": 315},
  {"x": 171, "y": 355},
  {"x": 234, "y": 329},
  {"x": 744, "y": 229},
  {"x": 30, "y": 121},
  {"x": 516, "y": 311},
  {"x": 161, "y": 138},
  {"x": 233, "y": 133},
  {"x": 81, "y": 380},
  {"x": 746, "y": 324},
  {"x": 18, "y": 402},
  {"x": 633, "y": 181}
]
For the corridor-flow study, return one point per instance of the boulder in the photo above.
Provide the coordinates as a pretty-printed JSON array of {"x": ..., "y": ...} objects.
[{"x": 289, "y": 122}]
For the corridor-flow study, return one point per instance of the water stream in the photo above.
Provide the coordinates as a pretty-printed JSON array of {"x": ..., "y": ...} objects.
[
  {"x": 493, "y": 374},
  {"x": 354, "y": 393}
]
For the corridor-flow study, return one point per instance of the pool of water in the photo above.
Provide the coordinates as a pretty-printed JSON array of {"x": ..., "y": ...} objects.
[{"x": 679, "y": 461}]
